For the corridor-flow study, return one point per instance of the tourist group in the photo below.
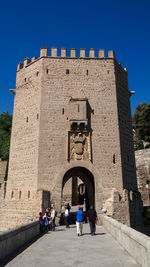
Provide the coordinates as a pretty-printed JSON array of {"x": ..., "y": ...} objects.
[{"x": 48, "y": 220}]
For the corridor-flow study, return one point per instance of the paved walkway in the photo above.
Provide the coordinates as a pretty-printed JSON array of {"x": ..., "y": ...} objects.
[{"x": 64, "y": 248}]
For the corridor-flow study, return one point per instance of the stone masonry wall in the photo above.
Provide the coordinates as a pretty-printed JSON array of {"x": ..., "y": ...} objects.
[
  {"x": 23, "y": 163},
  {"x": 57, "y": 89},
  {"x": 143, "y": 174},
  {"x": 23, "y": 202},
  {"x": 3, "y": 165},
  {"x": 125, "y": 129}
]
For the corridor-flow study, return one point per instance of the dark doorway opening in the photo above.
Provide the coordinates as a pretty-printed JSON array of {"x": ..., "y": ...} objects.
[{"x": 78, "y": 188}]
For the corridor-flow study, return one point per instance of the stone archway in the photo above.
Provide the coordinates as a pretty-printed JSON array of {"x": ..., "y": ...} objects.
[
  {"x": 84, "y": 179},
  {"x": 56, "y": 191}
]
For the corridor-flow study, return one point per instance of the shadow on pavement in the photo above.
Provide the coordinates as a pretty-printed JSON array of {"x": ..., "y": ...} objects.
[
  {"x": 59, "y": 230},
  {"x": 95, "y": 234}
]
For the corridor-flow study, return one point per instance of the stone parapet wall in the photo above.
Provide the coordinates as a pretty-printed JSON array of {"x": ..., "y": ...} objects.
[
  {"x": 143, "y": 174},
  {"x": 14, "y": 239},
  {"x": 135, "y": 243}
]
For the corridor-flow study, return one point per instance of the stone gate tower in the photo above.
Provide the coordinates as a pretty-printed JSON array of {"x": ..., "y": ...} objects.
[{"x": 71, "y": 120}]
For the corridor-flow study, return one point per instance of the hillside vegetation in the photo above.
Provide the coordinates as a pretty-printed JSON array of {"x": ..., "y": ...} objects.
[
  {"x": 5, "y": 132},
  {"x": 141, "y": 126}
]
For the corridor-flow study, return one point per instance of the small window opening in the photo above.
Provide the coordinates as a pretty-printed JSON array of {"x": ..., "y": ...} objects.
[
  {"x": 12, "y": 194},
  {"x": 108, "y": 72},
  {"x": 82, "y": 126},
  {"x": 87, "y": 72},
  {"x": 74, "y": 126},
  {"x": 37, "y": 116},
  {"x": 25, "y": 79},
  {"x": 0, "y": 185},
  {"x": 27, "y": 119},
  {"x": 19, "y": 194},
  {"x": 37, "y": 73},
  {"x": 47, "y": 71},
  {"x": 67, "y": 71},
  {"x": 114, "y": 159},
  {"x": 67, "y": 118},
  {"x": 78, "y": 108},
  {"x": 63, "y": 111},
  {"x": 28, "y": 194},
  {"x": 147, "y": 181}
]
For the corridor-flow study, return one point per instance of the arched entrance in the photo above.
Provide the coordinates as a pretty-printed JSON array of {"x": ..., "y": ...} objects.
[{"x": 78, "y": 187}]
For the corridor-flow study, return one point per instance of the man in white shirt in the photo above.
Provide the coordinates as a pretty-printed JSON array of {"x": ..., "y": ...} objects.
[
  {"x": 52, "y": 211},
  {"x": 67, "y": 217}
]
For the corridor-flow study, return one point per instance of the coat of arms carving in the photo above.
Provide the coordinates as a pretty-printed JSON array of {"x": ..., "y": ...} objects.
[{"x": 79, "y": 146}]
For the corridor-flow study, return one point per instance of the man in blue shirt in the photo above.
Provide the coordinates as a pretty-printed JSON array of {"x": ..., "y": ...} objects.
[{"x": 79, "y": 221}]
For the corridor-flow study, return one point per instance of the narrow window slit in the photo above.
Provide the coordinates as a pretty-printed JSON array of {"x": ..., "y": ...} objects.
[{"x": 114, "y": 159}]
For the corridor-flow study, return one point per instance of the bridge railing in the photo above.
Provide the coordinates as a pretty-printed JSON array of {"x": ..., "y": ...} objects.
[
  {"x": 134, "y": 242},
  {"x": 15, "y": 238}
]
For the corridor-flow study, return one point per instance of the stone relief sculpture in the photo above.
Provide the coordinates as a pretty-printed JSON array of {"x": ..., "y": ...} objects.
[{"x": 79, "y": 146}]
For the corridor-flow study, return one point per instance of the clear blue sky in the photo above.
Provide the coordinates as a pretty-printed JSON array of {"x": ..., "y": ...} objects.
[{"x": 122, "y": 26}]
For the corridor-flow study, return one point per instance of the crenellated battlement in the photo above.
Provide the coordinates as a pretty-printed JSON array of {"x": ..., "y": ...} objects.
[
  {"x": 44, "y": 52},
  {"x": 53, "y": 52}
]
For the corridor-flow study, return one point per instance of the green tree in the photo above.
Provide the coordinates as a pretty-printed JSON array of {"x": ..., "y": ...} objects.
[
  {"x": 5, "y": 133},
  {"x": 141, "y": 124}
]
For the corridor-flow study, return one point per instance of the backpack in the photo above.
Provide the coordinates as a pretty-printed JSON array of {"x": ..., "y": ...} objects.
[{"x": 45, "y": 221}]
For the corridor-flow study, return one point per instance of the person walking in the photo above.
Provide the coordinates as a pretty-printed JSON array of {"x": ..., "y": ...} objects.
[
  {"x": 92, "y": 220},
  {"x": 67, "y": 217},
  {"x": 52, "y": 211},
  {"x": 79, "y": 221},
  {"x": 68, "y": 207}
]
